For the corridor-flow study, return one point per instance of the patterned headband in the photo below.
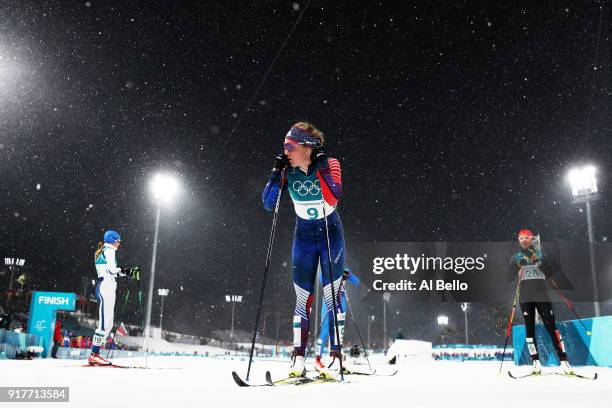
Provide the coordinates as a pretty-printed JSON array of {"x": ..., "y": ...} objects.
[{"x": 302, "y": 137}]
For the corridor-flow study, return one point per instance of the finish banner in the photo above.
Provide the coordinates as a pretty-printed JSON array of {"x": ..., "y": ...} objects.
[{"x": 43, "y": 310}]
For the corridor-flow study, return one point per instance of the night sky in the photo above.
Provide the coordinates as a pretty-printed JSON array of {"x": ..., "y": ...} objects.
[{"x": 452, "y": 121}]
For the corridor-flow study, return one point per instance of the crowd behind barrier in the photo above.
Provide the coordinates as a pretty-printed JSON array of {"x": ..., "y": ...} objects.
[{"x": 463, "y": 352}]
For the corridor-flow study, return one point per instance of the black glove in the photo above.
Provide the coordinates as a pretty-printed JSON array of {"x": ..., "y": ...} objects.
[
  {"x": 320, "y": 160},
  {"x": 132, "y": 273},
  {"x": 318, "y": 155},
  {"x": 280, "y": 162}
]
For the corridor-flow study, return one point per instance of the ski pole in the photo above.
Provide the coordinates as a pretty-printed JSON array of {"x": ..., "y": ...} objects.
[
  {"x": 365, "y": 349},
  {"x": 516, "y": 297},
  {"x": 266, "y": 269},
  {"x": 142, "y": 315},
  {"x": 569, "y": 304},
  {"x": 333, "y": 293},
  {"x": 114, "y": 332},
  {"x": 140, "y": 296}
]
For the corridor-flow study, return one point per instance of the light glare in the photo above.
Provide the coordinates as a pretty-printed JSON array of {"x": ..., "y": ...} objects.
[
  {"x": 164, "y": 188},
  {"x": 582, "y": 181}
]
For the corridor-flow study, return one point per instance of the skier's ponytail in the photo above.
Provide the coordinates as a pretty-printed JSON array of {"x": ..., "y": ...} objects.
[{"x": 99, "y": 250}]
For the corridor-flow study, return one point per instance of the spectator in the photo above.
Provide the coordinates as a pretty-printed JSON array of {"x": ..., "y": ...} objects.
[{"x": 57, "y": 338}]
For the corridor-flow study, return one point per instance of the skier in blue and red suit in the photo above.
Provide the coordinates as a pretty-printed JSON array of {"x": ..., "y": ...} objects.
[{"x": 314, "y": 182}]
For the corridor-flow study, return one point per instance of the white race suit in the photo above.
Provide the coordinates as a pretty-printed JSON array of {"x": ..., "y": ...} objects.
[{"x": 107, "y": 270}]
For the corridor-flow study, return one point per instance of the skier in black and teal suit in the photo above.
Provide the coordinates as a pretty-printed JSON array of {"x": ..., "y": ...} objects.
[
  {"x": 532, "y": 270},
  {"x": 314, "y": 182}
]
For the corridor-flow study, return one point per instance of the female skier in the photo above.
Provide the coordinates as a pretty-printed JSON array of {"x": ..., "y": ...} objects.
[
  {"x": 107, "y": 270},
  {"x": 532, "y": 271},
  {"x": 314, "y": 182}
]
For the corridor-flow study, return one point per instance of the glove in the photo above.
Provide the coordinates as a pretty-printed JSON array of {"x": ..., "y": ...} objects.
[
  {"x": 318, "y": 156},
  {"x": 280, "y": 162},
  {"x": 132, "y": 273},
  {"x": 135, "y": 273}
]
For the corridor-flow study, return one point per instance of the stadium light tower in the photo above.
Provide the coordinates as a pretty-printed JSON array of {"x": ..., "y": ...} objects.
[
  {"x": 584, "y": 190},
  {"x": 12, "y": 263},
  {"x": 162, "y": 293},
  {"x": 464, "y": 307},
  {"x": 442, "y": 320},
  {"x": 233, "y": 299},
  {"x": 370, "y": 321},
  {"x": 386, "y": 297},
  {"x": 164, "y": 189}
]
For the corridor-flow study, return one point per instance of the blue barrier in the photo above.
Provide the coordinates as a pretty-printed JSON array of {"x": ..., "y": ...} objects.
[
  {"x": 581, "y": 349},
  {"x": 69, "y": 353},
  {"x": 12, "y": 342}
]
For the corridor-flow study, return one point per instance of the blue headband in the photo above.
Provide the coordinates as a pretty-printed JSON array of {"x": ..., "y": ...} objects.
[{"x": 302, "y": 137}]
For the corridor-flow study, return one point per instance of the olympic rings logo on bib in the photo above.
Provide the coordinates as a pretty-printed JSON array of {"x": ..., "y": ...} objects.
[{"x": 307, "y": 187}]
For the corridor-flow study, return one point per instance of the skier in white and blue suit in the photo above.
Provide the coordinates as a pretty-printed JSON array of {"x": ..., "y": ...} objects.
[
  {"x": 106, "y": 286},
  {"x": 314, "y": 182}
]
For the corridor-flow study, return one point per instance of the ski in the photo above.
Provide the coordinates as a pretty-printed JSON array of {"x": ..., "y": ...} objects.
[
  {"x": 241, "y": 383},
  {"x": 297, "y": 380},
  {"x": 373, "y": 373},
  {"x": 287, "y": 381},
  {"x": 129, "y": 366},
  {"x": 114, "y": 366},
  {"x": 530, "y": 374},
  {"x": 582, "y": 376}
]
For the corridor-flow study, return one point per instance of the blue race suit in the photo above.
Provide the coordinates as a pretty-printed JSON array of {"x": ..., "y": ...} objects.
[{"x": 313, "y": 193}]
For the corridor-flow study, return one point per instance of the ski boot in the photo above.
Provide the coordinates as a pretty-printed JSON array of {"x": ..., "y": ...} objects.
[
  {"x": 536, "y": 368},
  {"x": 319, "y": 364},
  {"x": 345, "y": 366},
  {"x": 97, "y": 359},
  {"x": 298, "y": 367},
  {"x": 566, "y": 368},
  {"x": 332, "y": 371}
]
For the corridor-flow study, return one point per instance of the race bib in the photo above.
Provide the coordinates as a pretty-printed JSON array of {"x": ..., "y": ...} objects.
[
  {"x": 312, "y": 210},
  {"x": 532, "y": 272}
]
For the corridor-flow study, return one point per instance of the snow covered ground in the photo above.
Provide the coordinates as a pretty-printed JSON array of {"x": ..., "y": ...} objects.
[{"x": 207, "y": 382}]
